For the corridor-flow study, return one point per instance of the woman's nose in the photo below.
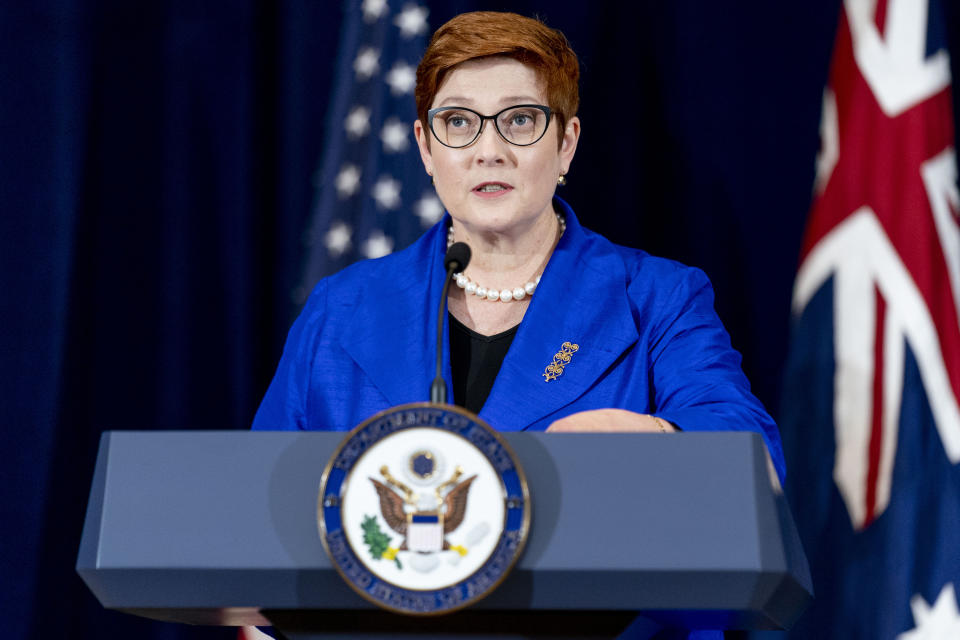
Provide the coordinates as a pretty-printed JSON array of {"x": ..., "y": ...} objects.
[{"x": 490, "y": 146}]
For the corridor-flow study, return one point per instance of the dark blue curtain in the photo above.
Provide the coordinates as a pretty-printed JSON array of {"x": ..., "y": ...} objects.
[{"x": 156, "y": 175}]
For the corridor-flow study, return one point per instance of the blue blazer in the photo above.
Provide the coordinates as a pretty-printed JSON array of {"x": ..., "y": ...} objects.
[{"x": 649, "y": 341}]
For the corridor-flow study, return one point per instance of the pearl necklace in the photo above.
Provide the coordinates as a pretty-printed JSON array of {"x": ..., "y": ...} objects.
[{"x": 505, "y": 295}]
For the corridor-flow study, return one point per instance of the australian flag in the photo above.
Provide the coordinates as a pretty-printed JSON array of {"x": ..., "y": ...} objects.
[
  {"x": 871, "y": 418},
  {"x": 372, "y": 193}
]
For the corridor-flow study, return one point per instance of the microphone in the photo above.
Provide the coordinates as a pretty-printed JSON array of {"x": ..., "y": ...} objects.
[{"x": 457, "y": 259}]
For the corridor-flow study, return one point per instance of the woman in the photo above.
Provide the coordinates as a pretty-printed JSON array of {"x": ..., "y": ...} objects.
[
  {"x": 651, "y": 353},
  {"x": 551, "y": 326}
]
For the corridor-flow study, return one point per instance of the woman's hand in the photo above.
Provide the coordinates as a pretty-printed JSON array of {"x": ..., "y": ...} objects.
[{"x": 611, "y": 421}]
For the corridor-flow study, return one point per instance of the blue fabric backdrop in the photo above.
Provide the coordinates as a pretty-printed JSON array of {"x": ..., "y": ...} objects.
[{"x": 156, "y": 168}]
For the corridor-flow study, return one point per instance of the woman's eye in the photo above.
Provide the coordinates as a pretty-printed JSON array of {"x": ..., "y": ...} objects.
[
  {"x": 521, "y": 119},
  {"x": 456, "y": 121}
]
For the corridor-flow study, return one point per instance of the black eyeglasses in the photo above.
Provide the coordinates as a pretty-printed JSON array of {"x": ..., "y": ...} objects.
[{"x": 457, "y": 127}]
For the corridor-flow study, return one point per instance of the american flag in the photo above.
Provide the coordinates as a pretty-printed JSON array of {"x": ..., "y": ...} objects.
[
  {"x": 871, "y": 418},
  {"x": 372, "y": 193}
]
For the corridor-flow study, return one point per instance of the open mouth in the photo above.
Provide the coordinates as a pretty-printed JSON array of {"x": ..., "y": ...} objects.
[{"x": 492, "y": 187}]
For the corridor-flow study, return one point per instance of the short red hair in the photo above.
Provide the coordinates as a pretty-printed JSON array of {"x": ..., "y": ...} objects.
[{"x": 480, "y": 34}]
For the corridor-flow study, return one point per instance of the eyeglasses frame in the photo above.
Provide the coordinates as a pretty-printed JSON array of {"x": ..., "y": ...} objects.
[{"x": 433, "y": 112}]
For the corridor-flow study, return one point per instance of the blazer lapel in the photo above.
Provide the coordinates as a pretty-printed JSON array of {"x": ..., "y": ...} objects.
[
  {"x": 392, "y": 338},
  {"x": 582, "y": 300}
]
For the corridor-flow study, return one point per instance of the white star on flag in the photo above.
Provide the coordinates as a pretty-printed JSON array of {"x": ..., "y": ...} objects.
[
  {"x": 337, "y": 239},
  {"x": 377, "y": 245},
  {"x": 373, "y": 9},
  {"x": 412, "y": 21},
  {"x": 366, "y": 63},
  {"x": 358, "y": 121},
  {"x": 395, "y": 136},
  {"x": 387, "y": 192},
  {"x": 348, "y": 181},
  {"x": 940, "y": 622},
  {"x": 429, "y": 209},
  {"x": 401, "y": 78}
]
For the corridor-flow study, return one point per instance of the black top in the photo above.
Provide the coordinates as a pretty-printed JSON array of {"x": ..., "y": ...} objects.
[{"x": 475, "y": 360}]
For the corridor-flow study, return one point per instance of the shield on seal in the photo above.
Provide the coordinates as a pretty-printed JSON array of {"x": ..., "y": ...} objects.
[{"x": 425, "y": 532}]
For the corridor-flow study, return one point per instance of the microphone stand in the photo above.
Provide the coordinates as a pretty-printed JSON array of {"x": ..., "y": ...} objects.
[{"x": 458, "y": 255}]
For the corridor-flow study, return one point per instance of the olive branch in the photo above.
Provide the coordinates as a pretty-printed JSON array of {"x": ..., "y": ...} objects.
[{"x": 376, "y": 539}]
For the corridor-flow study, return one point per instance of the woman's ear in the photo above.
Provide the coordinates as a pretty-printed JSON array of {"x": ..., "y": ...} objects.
[
  {"x": 423, "y": 142},
  {"x": 568, "y": 144}
]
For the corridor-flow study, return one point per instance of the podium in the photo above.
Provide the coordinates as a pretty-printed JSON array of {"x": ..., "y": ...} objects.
[{"x": 220, "y": 528}]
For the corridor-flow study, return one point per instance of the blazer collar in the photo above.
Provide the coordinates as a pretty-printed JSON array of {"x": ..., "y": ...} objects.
[{"x": 581, "y": 299}]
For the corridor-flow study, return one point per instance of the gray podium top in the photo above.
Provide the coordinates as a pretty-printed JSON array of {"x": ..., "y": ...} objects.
[{"x": 210, "y": 527}]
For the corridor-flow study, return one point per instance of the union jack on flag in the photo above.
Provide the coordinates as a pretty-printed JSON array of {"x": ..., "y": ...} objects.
[
  {"x": 372, "y": 194},
  {"x": 871, "y": 420}
]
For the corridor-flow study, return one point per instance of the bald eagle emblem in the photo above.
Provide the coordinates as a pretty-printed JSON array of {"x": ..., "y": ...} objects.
[{"x": 422, "y": 519}]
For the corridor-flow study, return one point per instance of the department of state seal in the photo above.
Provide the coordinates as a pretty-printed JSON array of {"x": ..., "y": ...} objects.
[{"x": 423, "y": 509}]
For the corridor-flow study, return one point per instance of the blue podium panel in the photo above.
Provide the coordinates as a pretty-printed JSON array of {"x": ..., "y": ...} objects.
[{"x": 213, "y": 527}]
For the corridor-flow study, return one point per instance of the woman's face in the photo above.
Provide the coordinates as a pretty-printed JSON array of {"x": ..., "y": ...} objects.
[{"x": 492, "y": 186}]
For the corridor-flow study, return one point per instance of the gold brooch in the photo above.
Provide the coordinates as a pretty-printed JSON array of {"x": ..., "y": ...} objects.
[{"x": 560, "y": 359}]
